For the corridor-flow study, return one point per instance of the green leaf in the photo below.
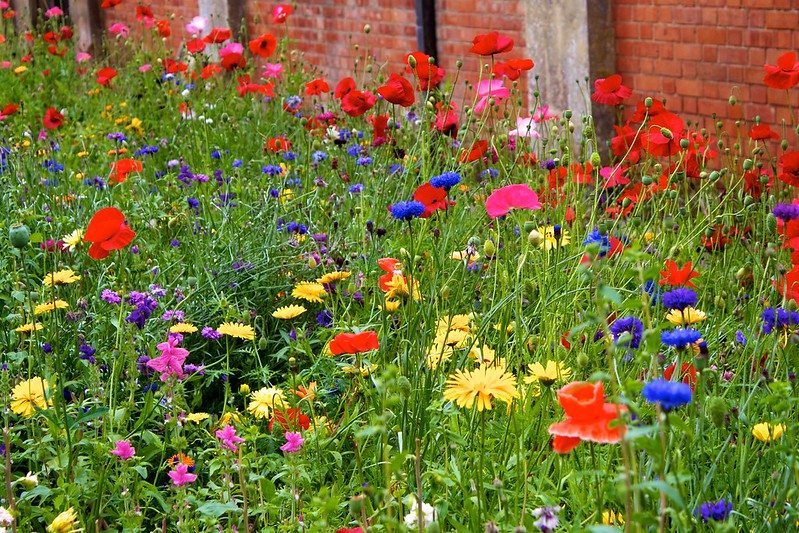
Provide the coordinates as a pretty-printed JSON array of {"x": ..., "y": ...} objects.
[
  {"x": 665, "y": 488},
  {"x": 216, "y": 509}
]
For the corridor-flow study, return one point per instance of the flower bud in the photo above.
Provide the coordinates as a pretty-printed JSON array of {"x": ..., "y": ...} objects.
[
  {"x": 489, "y": 248},
  {"x": 717, "y": 411},
  {"x": 748, "y": 164},
  {"x": 412, "y": 62},
  {"x": 404, "y": 385},
  {"x": 648, "y": 102},
  {"x": 535, "y": 238},
  {"x": 596, "y": 159},
  {"x": 666, "y": 132},
  {"x": 19, "y": 235},
  {"x": 244, "y": 389},
  {"x": 567, "y": 114},
  {"x": 367, "y": 29}
]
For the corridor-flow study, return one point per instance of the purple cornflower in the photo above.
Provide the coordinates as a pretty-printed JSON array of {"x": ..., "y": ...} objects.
[
  {"x": 630, "y": 325},
  {"x": 210, "y": 333},
  {"x": 786, "y": 212},
  {"x": 547, "y": 518},
  {"x": 679, "y": 299},
  {"x": 718, "y": 511},
  {"x": 111, "y": 297}
]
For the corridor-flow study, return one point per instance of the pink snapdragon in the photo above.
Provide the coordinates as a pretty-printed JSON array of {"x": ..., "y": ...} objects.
[
  {"x": 228, "y": 437},
  {"x": 293, "y": 442},
  {"x": 123, "y": 450},
  {"x": 170, "y": 362}
]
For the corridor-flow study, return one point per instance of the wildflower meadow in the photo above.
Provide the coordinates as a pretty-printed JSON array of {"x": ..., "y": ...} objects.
[{"x": 238, "y": 296}]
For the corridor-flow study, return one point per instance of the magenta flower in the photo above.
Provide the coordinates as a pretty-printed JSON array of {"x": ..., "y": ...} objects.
[
  {"x": 519, "y": 196},
  {"x": 293, "y": 442},
  {"x": 228, "y": 437},
  {"x": 170, "y": 362},
  {"x": 273, "y": 70},
  {"x": 488, "y": 89},
  {"x": 180, "y": 475},
  {"x": 123, "y": 450}
]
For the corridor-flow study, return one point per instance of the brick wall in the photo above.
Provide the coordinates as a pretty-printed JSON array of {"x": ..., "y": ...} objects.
[{"x": 695, "y": 56}]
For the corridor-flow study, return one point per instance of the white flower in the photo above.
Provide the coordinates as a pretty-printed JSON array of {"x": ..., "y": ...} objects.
[
  {"x": 525, "y": 127},
  {"x": 428, "y": 515},
  {"x": 6, "y": 518}
]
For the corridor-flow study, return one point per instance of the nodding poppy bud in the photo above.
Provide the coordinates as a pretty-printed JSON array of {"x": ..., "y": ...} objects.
[
  {"x": 717, "y": 411},
  {"x": 714, "y": 176},
  {"x": 647, "y": 180},
  {"x": 19, "y": 235},
  {"x": 684, "y": 143},
  {"x": 666, "y": 132},
  {"x": 535, "y": 238},
  {"x": 748, "y": 164},
  {"x": 489, "y": 248},
  {"x": 596, "y": 159},
  {"x": 431, "y": 60},
  {"x": 411, "y": 61},
  {"x": 733, "y": 100}
]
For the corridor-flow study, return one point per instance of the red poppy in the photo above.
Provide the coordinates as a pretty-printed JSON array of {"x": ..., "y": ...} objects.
[
  {"x": 52, "y": 119},
  {"x": 110, "y": 3},
  {"x": 428, "y": 74},
  {"x": 678, "y": 277},
  {"x": 490, "y": 44},
  {"x": 173, "y": 67},
  {"x": 195, "y": 46},
  {"x": 277, "y": 144},
  {"x": 398, "y": 91},
  {"x": 107, "y": 231},
  {"x": 143, "y": 13},
  {"x": 317, "y": 87},
  {"x": 8, "y": 110},
  {"x": 610, "y": 91},
  {"x": 351, "y": 343},
  {"x": 105, "y": 75},
  {"x": 789, "y": 163},
  {"x": 588, "y": 417},
  {"x": 218, "y": 35},
  {"x": 687, "y": 373},
  {"x": 785, "y": 75},
  {"x": 209, "y": 71},
  {"x": 476, "y": 152},
  {"x": 446, "y": 120},
  {"x": 761, "y": 132},
  {"x": 719, "y": 239},
  {"x": 379, "y": 125},
  {"x": 66, "y": 33},
  {"x": 246, "y": 87},
  {"x": 294, "y": 420},
  {"x": 120, "y": 169},
  {"x": 51, "y": 37},
  {"x": 752, "y": 184},
  {"x": 661, "y": 142},
  {"x": 163, "y": 28},
  {"x": 433, "y": 198},
  {"x": 53, "y": 50},
  {"x": 232, "y": 61},
  {"x": 658, "y": 115},
  {"x": 344, "y": 87},
  {"x": 263, "y": 46},
  {"x": 280, "y": 13},
  {"x": 393, "y": 268},
  {"x": 789, "y": 286},
  {"x": 513, "y": 69},
  {"x": 355, "y": 103}
]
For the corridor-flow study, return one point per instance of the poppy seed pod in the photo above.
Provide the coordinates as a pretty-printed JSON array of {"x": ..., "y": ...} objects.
[
  {"x": 19, "y": 235},
  {"x": 648, "y": 102}
]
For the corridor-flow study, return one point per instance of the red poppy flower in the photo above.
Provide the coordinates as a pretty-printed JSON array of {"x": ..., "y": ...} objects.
[
  {"x": 232, "y": 61},
  {"x": 687, "y": 373},
  {"x": 52, "y": 119},
  {"x": 588, "y": 417},
  {"x": 785, "y": 75},
  {"x": 761, "y": 132},
  {"x": 658, "y": 115},
  {"x": 218, "y": 35},
  {"x": 433, "y": 199},
  {"x": 355, "y": 103},
  {"x": 163, "y": 28},
  {"x": 277, "y": 144},
  {"x": 294, "y": 420},
  {"x": 351, "y": 343},
  {"x": 246, "y": 87},
  {"x": 513, "y": 69},
  {"x": 105, "y": 75},
  {"x": 107, "y": 231},
  {"x": 173, "y": 67},
  {"x": 490, "y": 44},
  {"x": 344, "y": 87},
  {"x": 53, "y": 50},
  {"x": 610, "y": 91},
  {"x": 143, "y": 13},
  {"x": 317, "y": 87},
  {"x": 428, "y": 74},
  {"x": 110, "y": 3},
  {"x": 8, "y": 110},
  {"x": 51, "y": 37},
  {"x": 195, "y": 46},
  {"x": 446, "y": 120},
  {"x": 120, "y": 169},
  {"x": 379, "y": 124},
  {"x": 66, "y": 33},
  {"x": 263, "y": 46},
  {"x": 789, "y": 285},
  {"x": 661, "y": 143},
  {"x": 789, "y": 163},
  {"x": 398, "y": 91},
  {"x": 280, "y": 13},
  {"x": 209, "y": 71},
  {"x": 678, "y": 277},
  {"x": 476, "y": 152}
]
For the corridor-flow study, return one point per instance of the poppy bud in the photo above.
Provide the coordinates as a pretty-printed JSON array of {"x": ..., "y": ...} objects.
[
  {"x": 684, "y": 144},
  {"x": 567, "y": 114},
  {"x": 412, "y": 62},
  {"x": 444, "y": 292},
  {"x": 312, "y": 261},
  {"x": 367, "y": 29},
  {"x": 596, "y": 159},
  {"x": 603, "y": 229},
  {"x": 784, "y": 144},
  {"x": 404, "y": 386},
  {"x": 535, "y": 238},
  {"x": 262, "y": 345},
  {"x": 19, "y": 235},
  {"x": 491, "y": 102},
  {"x": 771, "y": 222},
  {"x": 647, "y": 180},
  {"x": 666, "y": 132},
  {"x": 431, "y": 60},
  {"x": 626, "y": 203},
  {"x": 717, "y": 411},
  {"x": 489, "y": 248},
  {"x": 588, "y": 132},
  {"x": 648, "y": 102},
  {"x": 458, "y": 63},
  {"x": 748, "y": 200},
  {"x": 714, "y": 176}
]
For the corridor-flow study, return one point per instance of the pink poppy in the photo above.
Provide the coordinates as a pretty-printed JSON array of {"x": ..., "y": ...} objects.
[
  {"x": 518, "y": 196},
  {"x": 488, "y": 89}
]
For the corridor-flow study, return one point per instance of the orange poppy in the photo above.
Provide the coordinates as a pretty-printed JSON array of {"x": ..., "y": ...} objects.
[
  {"x": 349, "y": 343},
  {"x": 107, "y": 231},
  {"x": 588, "y": 417}
]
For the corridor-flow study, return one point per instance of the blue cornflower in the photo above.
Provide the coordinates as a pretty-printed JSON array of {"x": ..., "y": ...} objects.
[
  {"x": 52, "y": 165},
  {"x": 680, "y": 337},
  {"x": 356, "y": 188},
  {"x": 396, "y": 168},
  {"x": 344, "y": 135},
  {"x": 445, "y": 181},
  {"x": 786, "y": 212},
  {"x": 216, "y": 154},
  {"x": 490, "y": 172},
  {"x": 679, "y": 299},
  {"x": 407, "y": 210},
  {"x": 272, "y": 170},
  {"x": 193, "y": 203},
  {"x": 354, "y": 150},
  {"x": 363, "y": 161},
  {"x": 740, "y": 338},
  {"x": 779, "y": 319},
  {"x": 294, "y": 102},
  {"x": 669, "y": 394},
  {"x": 598, "y": 238},
  {"x": 236, "y": 163},
  {"x": 318, "y": 156},
  {"x": 630, "y": 325},
  {"x": 289, "y": 156},
  {"x": 718, "y": 511}
]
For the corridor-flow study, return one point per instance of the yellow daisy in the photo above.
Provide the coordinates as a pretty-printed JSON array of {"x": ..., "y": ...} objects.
[
  {"x": 310, "y": 292},
  {"x": 437, "y": 354},
  {"x": 64, "y": 522},
  {"x": 766, "y": 432},
  {"x": 389, "y": 306},
  {"x": 29, "y": 327},
  {"x": 684, "y": 317},
  {"x": 549, "y": 374},
  {"x": 265, "y": 400},
  {"x": 289, "y": 311},
  {"x": 62, "y": 277},
  {"x": 455, "y": 322},
  {"x": 553, "y": 239},
  {"x": 480, "y": 385},
  {"x": 332, "y": 277},
  {"x": 483, "y": 354},
  {"x": 73, "y": 239},
  {"x": 28, "y": 395},
  {"x": 197, "y": 417},
  {"x": 236, "y": 329},
  {"x": 183, "y": 327},
  {"x": 49, "y": 306},
  {"x": 227, "y": 418}
]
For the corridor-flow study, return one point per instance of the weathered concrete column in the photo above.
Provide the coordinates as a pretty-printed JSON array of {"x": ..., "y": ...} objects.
[
  {"x": 88, "y": 24},
  {"x": 26, "y": 10}
]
